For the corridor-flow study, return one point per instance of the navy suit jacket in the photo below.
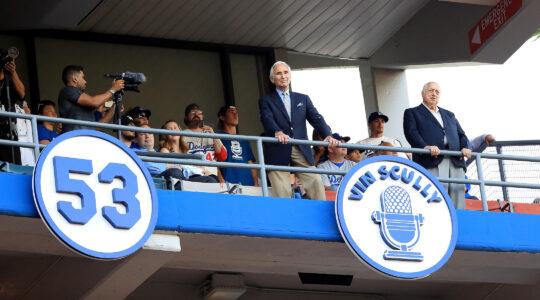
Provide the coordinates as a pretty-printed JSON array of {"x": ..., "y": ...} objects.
[
  {"x": 274, "y": 118},
  {"x": 422, "y": 129}
]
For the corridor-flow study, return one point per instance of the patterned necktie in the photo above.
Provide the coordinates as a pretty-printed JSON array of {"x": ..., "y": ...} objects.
[{"x": 287, "y": 104}]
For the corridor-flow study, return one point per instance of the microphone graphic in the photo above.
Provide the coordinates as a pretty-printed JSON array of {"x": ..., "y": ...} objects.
[{"x": 400, "y": 228}]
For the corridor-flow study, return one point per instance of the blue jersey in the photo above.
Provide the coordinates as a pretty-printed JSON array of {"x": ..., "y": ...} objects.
[
  {"x": 238, "y": 152},
  {"x": 45, "y": 134}
]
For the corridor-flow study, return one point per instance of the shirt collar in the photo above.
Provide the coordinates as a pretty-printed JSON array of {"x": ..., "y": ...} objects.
[
  {"x": 436, "y": 108},
  {"x": 280, "y": 92}
]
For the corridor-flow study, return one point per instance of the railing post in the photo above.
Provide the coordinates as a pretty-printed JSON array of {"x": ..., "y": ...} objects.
[
  {"x": 503, "y": 174},
  {"x": 263, "y": 167},
  {"x": 35, "y": 138},
  {"x": 480, "y": 173}
]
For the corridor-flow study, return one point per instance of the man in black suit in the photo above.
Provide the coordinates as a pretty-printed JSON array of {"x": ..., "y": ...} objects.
[
  {"x": 431, "y": 127},
  {"x": 283, "y": 115}
]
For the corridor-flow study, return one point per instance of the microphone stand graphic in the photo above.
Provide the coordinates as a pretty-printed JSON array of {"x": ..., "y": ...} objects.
[{"x": 400, "y": 228}]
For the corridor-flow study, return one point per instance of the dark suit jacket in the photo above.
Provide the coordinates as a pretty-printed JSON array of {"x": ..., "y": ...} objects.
[
  {"x": 274, "y": 118},
  {"x": 422, "y": 129}
]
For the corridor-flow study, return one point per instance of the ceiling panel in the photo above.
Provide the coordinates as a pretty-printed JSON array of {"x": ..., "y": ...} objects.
[{"x": 342, "y": 28}]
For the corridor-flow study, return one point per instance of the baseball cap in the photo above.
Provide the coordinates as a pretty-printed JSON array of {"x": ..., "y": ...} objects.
[
  {"x": 137, "y": 110},
  {"x": 191, "y": 107},
  {"x": 126, "y": 120},
  {"x": 338, "y": 137},
  {"x": 223, "y": 110},
  {"x": 377, "y": 114}
]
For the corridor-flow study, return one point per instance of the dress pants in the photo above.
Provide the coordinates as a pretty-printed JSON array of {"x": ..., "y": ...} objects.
[
  {"x": 312, "y": 183},
  {"x": 456, "y": 190}
]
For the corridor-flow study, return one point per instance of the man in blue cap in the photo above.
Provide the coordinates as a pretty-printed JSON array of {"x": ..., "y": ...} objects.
[{"x": 336, "y": 162}]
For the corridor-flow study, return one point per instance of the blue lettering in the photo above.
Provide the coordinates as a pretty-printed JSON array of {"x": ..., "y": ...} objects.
[
  {"x": 435, "y": 197},
  {"x": 393, "y": 173},
  {"x": 416, "y": 184},
  {"x": 367, "y": 179},
  {"x": 424, "y": 192},
  {"x": 356, "y": 193},
  {"x": 384, "y": 173},
  {"x": 406, "y": 179}
]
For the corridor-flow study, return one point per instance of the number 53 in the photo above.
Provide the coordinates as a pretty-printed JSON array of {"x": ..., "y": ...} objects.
[{"x": 125, "y": 196}]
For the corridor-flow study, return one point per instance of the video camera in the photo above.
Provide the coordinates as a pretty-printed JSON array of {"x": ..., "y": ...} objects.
[
  {"x": 8, "y": 55},
  {"x": 131, "y": 80}
]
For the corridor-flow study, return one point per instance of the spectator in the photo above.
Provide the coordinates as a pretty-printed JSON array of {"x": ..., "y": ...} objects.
[
  {"x": 212, "y": 149},
  {"x": 320, "y": 153},
  {"x": 237, "y": 151},
  {"x": 336, "y": 161},
  {"x": 74, "y": 103},
  {"x": 46, "y": 132},
  {"x": 354, "y": 155},
  {"x": 283, "y": 115},
  {"x": 8, "y": 126},
  {"x": 176, "y": 144},
  {"x": 376, "y": 124},
  {"x": 386, "y": 152},
  {"x": 127, "y": 137},
  {"x": 172, "y": 143},
  {"x": 139, "y": 114},
  {"x": 431, "y": 127},
  {"x": 480, "y": 143}
]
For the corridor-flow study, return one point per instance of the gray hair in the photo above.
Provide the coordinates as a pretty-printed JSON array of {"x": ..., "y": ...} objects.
[
  {"x": 424, "y": 88},
  {"x": 278, "y": 63}
]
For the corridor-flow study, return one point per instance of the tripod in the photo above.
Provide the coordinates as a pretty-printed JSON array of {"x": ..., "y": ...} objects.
[
  {"x": 11, "y": 126},
  {"x": 117, "y": 119}
]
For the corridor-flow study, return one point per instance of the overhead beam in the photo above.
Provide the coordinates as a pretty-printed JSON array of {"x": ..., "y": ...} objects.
[{"x": 135, "y": 269}]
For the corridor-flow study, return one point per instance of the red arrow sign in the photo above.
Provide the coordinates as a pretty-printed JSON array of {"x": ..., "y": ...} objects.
[{"x": 492, "y": 22}]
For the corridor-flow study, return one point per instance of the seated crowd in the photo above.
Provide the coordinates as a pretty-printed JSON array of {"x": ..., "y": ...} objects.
[{"x": 283, "y": 114}]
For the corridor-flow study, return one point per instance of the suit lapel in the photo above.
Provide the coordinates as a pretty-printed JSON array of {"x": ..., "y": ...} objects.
[
  {"x": 294, "y": 102},
  {"x": 429, "y": 115}
]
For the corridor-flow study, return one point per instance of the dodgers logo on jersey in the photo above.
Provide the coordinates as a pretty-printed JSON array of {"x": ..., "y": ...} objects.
[
  {"x": 95, "y": 195},
  {"x": 396, "y": 217}
]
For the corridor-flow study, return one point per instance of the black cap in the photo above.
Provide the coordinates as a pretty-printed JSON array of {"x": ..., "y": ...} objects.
[
  {"x": 377, "y": 114},
  {"x": 125, "y": 120},
  {"x": 223, "y": 110},
  {"x": 191, "y": 107},
  {"x": 338, "y": 137},
  {"x": 137, "y": 110}
]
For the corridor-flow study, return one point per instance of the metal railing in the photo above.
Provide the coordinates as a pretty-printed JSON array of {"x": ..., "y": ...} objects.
[
  {"x": 514, "y": 171},
  {"x": 261, "y": 166}
]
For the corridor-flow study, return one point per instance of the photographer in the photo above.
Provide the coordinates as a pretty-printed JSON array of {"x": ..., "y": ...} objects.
[
  {"x": 9, "y": 80},
  {"x": 73, "y": 103}
]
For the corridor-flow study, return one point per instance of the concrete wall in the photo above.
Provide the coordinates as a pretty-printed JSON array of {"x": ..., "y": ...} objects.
[
  {"x": 436, "y": 34},
  {"x": 392, "y": 93}
]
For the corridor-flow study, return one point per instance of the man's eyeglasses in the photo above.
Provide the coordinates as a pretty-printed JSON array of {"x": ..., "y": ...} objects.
[
  {"x": 196, "y": 113},
  {"x": 141, "y": 116}
]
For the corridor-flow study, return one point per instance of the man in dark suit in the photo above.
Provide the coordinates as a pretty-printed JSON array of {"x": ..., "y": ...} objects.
[
  {"x": 431, "y": 127},
  {"x": 283, "y": 115}
]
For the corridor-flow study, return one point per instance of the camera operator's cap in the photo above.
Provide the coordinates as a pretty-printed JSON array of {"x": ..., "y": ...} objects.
[
  {"x": 137, "y": 110},
  {"x": 377, "y": 114},
  {"x": 191, "y": 107},
  {"x": 338, "y": 137},
  {"x": 223, "y": 110}
]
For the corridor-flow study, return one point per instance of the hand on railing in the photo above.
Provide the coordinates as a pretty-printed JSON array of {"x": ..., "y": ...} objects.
[
  {"x": 435, "y": 151},
  {"x": 282, "y": 137},
  {"x": 466, "y": 152}
]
